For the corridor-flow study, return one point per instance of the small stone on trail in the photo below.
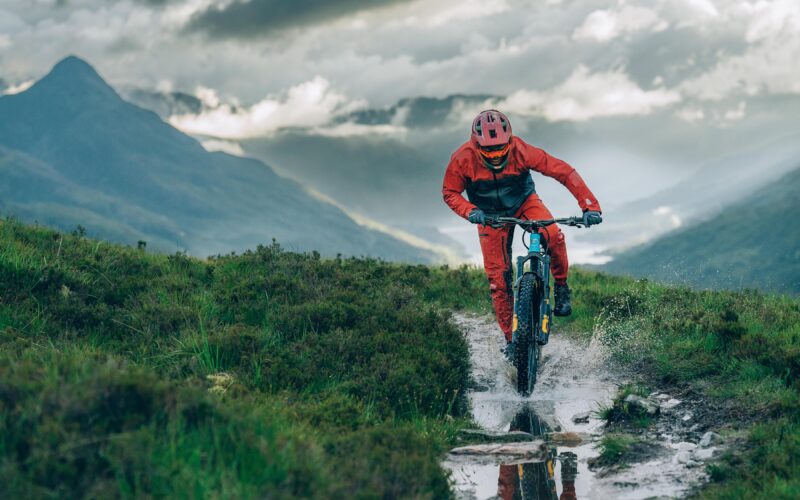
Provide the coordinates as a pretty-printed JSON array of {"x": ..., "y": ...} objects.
[
  {"x": 495, "y": 436},
  {"x": 647, "y": 406},
  {"x": 568, "y": 438},
  {"x": 708, "y": 439},
  {"x": 682, "y": 457},
  {"x": 581, "y": 418},
  {"x": 671, "y": 403},
  {"x": 687, "y": 417},
  {"x": 664, "y": 396},
  {"x": 703, "y": 453},
  {"x": 685, "y": 446}
]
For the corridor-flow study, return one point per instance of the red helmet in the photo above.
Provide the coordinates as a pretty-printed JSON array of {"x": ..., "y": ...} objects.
[{"x": 491, "y": 132}]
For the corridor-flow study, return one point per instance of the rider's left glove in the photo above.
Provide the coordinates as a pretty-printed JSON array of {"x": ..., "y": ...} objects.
[
  {"x": 592, "y": 218},
  {"x": 477, "y": 216}
]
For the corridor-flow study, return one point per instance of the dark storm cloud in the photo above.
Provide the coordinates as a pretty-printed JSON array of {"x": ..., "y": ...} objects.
[{"x": 253, "y": 18}]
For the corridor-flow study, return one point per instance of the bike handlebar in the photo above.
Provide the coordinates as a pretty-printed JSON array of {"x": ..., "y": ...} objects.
[{"x": 534, "y": 224}]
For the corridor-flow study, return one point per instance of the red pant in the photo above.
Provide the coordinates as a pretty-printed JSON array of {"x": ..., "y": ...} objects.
[{"x": 496, "y": 248}]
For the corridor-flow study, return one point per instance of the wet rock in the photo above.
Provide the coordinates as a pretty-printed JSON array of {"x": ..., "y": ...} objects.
[
  {"x": 531, "y": 450},
  {"x": 685, "y": 446},
  {"x": 568, "y": 438},
  {"x": 708, "y": 439},
  {"x": 703, "y": 454},
  {"x": 581, "y": 418},
  {"x": 691, "y": 464},
  {"x": 670, "y": 403},
  {"x": 682, "y": 457},
  {"x": 645, "y": 406},
  {"x": 494, "y": 436}
]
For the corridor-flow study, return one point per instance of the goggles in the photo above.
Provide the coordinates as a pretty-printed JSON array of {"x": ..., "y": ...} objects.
[{"x": 494, "y": 152}]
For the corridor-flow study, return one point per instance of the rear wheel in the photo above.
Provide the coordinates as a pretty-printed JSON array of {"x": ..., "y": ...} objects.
[{"x": 527, "y": 349}]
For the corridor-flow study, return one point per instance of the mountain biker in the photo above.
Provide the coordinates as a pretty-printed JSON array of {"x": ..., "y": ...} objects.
[{"x": 493, "y": 167}]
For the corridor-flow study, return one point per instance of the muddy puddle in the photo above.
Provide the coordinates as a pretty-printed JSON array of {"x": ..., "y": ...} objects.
[{"x": 575, "y": 380}]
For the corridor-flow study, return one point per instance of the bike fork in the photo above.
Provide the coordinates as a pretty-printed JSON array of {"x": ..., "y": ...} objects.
[{"x": 540, "y": 266}]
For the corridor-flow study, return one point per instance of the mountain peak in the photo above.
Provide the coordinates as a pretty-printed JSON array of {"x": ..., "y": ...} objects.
[
  {"x": 74, "y": 77},
  {"x": 75, "y": 66}
]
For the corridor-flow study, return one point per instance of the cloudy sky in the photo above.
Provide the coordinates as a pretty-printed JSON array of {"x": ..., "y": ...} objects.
[
  {"x": 563, "y": 60},
  {"x": 699, "y": 68}
]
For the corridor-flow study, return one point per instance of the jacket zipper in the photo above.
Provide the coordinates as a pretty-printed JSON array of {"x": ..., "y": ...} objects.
[{"x": 496, "y": 194}]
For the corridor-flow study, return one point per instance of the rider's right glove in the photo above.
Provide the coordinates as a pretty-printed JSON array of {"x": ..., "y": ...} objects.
[
  {"x": 592, "y": 218},
  {"x": 477, "y": 216}
]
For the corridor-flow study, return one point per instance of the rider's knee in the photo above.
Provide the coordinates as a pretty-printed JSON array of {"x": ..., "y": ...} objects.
[{"x": 556, "y": 235}]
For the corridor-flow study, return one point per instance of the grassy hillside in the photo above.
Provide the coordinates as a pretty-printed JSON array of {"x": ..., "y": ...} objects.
[
  {"x": 265, "y": 374},
  {"x": 739, "y": 349},
  {"x": 752, "y": 243},
  {"x": 275, "y": 374}
]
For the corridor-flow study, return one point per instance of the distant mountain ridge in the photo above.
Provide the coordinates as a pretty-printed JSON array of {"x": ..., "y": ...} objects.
[
  {"x": 124, "y": 174},
  {"x": 751, "y": 244}
]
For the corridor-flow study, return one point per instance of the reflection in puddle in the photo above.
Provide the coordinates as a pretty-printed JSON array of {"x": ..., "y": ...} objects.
[
  {"x": 572, "y": 380},
  {"x": 537, "y": 479}
]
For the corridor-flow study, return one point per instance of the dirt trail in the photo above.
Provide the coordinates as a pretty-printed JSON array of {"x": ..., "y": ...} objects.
[{"x": 574, "y": 379}]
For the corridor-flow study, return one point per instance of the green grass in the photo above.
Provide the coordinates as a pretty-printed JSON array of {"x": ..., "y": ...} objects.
[
  {"x": 274, "y": 374},
  {"x": 267, "y": 374},
  {"x": 740, "y": 349},
  {"x": 613, "y": 449},
  {"x": 621, "y": 412}
]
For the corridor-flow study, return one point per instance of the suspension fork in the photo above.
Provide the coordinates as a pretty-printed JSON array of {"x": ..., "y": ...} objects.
[
  {"x": 535, "y": 258},
  {"x": 540, "y": 267}
]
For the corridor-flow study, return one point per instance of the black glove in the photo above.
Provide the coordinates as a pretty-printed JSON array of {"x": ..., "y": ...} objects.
[
  {"x": 477, "y": 216},
  {"x": 592, "y": 218}
]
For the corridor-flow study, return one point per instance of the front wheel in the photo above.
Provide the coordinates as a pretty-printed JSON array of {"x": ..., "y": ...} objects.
[{"x": 527, "y": 349}]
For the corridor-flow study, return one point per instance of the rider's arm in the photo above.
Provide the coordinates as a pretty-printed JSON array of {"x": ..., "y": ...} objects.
[
  {"x": 537, "y": 159},
  {"x": 453, "y": 185}
]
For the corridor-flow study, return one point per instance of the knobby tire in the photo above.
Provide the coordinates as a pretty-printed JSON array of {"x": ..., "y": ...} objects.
[{"x": 527, "y": 349}]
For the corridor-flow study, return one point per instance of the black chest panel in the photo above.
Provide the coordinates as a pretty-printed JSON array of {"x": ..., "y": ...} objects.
[{"x": 501, "y": 195}]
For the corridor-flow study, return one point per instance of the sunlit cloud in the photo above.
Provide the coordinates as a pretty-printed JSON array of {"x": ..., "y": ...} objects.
[
  {"x": 586, "y": 95},
  {"x": 767, "y": 66},
  {"x": 309, "y": 104},
  {"x": 16, "y": 89},
  {"x": 230, "y": 147},
  {"x": 606, "y": 24}
]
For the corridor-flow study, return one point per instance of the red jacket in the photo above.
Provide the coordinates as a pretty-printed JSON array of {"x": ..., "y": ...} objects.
[{"x": 502, "y": 193}]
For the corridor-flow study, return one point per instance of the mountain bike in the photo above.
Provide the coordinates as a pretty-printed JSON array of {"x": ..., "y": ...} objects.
[{"x": 533, "y": 315}]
